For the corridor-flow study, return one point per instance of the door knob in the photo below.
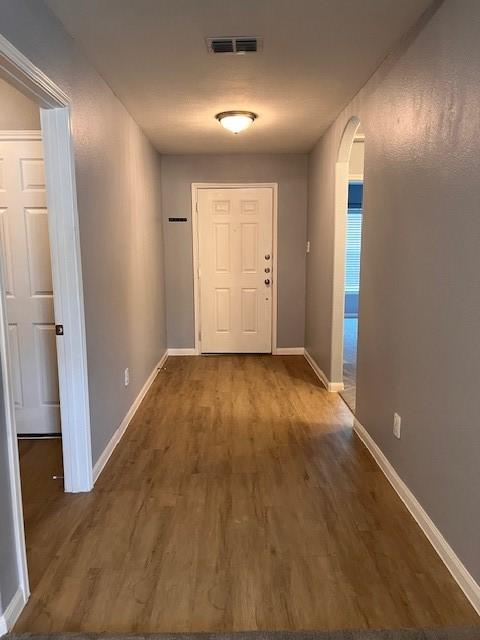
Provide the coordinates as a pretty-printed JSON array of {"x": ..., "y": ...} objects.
[
  {"x": 267, "y": 281},
  {"x": 267, "y": 270},
  {"x": 267, "y": 257}
]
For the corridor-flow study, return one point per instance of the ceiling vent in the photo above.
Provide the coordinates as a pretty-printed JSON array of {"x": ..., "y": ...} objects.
[{"x": 235, "y": 45}]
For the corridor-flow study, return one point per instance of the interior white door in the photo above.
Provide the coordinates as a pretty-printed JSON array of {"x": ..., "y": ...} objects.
[
  {"x": 28, "y": 287},
  {"x": 235, "y": 247}
]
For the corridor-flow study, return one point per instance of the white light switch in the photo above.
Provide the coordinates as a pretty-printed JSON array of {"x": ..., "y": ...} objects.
[{"x": 397, "y": 425}]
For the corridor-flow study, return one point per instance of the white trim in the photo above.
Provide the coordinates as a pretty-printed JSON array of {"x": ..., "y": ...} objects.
[
  {"x": 12, "y": 447},
  {"x": 66, "y": 273},
  {"x": 29, "y": 78},
  {"x": 12, "y": 612},
  {"x": 274, "y": 187},
  {"x": 117, "y": 436},
  {"x": 290, "y": 351},
  {"x": 9, "y": 136},
  {"x": 69, "y": 306},
  {"x": 196, "y": 286},
  {"x": 182, "y": 352},
  {"x": 459, "y": 572},
  {"x": 329, "y": 386}
]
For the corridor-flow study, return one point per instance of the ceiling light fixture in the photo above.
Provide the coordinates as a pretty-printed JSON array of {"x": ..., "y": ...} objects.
[{"x": 236, "y": 121}]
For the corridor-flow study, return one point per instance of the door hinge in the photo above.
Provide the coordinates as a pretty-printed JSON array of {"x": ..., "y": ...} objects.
[{"x": 59, "y": 330}]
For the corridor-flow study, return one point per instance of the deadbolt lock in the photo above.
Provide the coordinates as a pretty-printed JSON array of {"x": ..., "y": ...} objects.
[
  {"x": 267, "y": 256},
  {"x": 267, "y": 281},
  {"x": 267, "y": 269}
]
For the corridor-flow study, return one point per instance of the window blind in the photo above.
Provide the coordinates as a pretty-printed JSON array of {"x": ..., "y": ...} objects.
[{"x": 354, "y": 241}]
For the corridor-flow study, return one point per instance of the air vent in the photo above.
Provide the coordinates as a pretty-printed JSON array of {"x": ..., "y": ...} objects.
[
  {"x": 246, "y": 45},
  {"x": 222, "y": 46},
  {"x": 234, "y": 45}
]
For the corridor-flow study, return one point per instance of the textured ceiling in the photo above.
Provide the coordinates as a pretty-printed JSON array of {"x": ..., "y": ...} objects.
[{"x": 316, "y": 56}]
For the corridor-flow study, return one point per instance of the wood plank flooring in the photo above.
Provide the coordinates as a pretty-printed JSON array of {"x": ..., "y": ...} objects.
[{"x": 239, "y": 498}]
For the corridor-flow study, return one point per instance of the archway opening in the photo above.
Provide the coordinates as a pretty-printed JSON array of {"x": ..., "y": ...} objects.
[
  {"x": 353, "y": 240},
  {"x": 349, "y": 176}
]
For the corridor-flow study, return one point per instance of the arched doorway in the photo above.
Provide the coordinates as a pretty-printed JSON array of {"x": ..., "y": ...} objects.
[{"x": 346, "y": 268}]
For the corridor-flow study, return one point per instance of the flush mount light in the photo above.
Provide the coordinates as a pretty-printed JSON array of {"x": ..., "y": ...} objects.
[{"x": 236, "y": 121}]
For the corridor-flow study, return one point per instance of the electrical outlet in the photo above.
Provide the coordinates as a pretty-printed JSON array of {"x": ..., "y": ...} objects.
[
  {"x": 397, "y": 425},
  {"x": 127, "y": 377},
  {"x": 308, "y": 246}
]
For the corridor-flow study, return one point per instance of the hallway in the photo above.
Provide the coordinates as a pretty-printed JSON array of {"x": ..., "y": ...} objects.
[{"x": 238, "y": 499}]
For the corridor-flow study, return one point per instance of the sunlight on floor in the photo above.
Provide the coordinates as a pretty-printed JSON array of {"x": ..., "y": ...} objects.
[{"x": 350, "y": 329}]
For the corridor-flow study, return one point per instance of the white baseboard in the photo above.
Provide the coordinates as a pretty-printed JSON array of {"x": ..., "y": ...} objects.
[
  {"x": 12, "y": 612},
  {"x": 329, "y": 386},
  {"x": 289, "y": 351},
  {"x": 182, "y": 352},
  {"x": 117, "y": 436},
  {"x": 162, "y": 360},
  {"x": 460, "y": 574}
]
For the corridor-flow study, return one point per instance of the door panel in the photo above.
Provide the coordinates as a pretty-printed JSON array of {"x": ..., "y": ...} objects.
[
  {"x": 222, "y": 247},
  {"x": 222, "y": 310},
  {"x": 6, "y": 249},
  {"x": 235, "y": 238},
  {"x": 15, "y": 364},
  {"x": 46, "y": 351},
  {"x": 25, "y": 253},
  {"x": 249, "y": 310},
  {"x": 249, "y": 248},
  {"x": 38, "y": 252},
  {"x": 32, "y": 173}
]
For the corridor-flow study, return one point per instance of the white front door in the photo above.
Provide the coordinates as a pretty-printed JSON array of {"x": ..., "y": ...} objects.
[
  {"x": 235, "y": 246},
  {"x": 28, "y": 287}
]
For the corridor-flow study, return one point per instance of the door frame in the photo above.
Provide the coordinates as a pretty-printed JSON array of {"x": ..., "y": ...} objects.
[
  {"x": 196, "y": 186},
  {"x": 68, "y": 291}
]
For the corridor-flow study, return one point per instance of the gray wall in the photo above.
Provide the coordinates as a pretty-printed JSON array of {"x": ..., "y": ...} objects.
[
  {"x": 17, "y": 113},
  {"x": 119, "y": 200},
  {"x": 419, "y": 353},
  {"x": 290, "y": 171}
]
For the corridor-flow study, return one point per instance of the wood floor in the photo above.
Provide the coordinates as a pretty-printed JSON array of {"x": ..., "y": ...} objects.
[{"x": 238, "y": 499}]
